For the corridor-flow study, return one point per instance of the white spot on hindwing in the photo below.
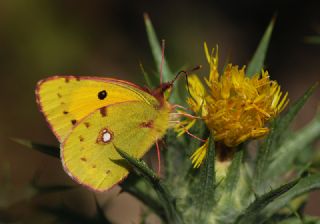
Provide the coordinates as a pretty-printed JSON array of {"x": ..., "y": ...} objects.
[{"x": 105, "y": 136}]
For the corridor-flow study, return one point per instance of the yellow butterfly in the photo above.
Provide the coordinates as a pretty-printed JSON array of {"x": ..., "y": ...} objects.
[{"x": 91, "y": 115}]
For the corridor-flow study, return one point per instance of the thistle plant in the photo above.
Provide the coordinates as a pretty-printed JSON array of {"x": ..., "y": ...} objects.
[{"x": 235, "y": 160}]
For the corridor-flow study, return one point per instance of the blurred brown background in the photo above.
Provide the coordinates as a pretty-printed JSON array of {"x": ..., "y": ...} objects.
[{"x": 39, "y": 38}]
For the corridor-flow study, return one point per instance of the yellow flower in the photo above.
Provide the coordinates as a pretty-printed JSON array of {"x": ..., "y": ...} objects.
[{"x": 234, "y": 106}]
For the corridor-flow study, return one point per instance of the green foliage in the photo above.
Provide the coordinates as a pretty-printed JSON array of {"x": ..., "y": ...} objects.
[
  {"x": 167, "y": 73},
  {"x": 270, "y": 147},
  {"x": 167, "y": 201},
  {"x": 204, "y": 191},
  {"x": 205, "y": 199},
  {"x": 253, "y": 212},
  {"x": 232, "y": 178},
  {"x": 46, "y": 149},
  {"x": 305, "y": 185},
  {"x": 240, "y": 197},
  {"x": 283, "y": 159},
  {"x": 156, "y": 51},
  {"x": 257, "y": 62}
]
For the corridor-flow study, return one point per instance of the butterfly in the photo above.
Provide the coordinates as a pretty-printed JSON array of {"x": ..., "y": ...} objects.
[{"x": 90, "y": 116}]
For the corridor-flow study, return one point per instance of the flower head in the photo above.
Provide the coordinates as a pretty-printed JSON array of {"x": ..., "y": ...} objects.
[{"x": 235, "y": 107}]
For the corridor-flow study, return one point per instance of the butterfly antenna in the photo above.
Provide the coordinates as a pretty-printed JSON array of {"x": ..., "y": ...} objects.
[
  {"x": 185, "y": 73},
  {"x": 159, "y": 158},
  {"x": 162, "y": 61}
]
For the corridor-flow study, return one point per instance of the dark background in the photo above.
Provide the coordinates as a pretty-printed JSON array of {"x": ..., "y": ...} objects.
[{"x": 39, "y": 38}]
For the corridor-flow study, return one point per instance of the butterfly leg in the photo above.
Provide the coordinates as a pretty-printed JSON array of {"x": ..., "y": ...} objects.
[
  {"x": 186, "y": 115},
  {"x": 194, "y": 136},
  {"x": 159, "y": 158},
  {"x": 174, "y": 106}
]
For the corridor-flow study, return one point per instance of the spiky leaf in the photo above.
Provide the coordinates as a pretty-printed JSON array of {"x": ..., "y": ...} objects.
[
  {"x": 46, "y": 149},
  {"x": 256, "y": 63},
  {"x": 156, "y": 50},
  {"x": 204, "y": 191},
  {"x": 157, "y": 56},
  {"x": 253, "y": 213},
  {"x": 283, "y": 160},
  {"x": 271, "y": 143},
  {"x": 164, "y": 195},
  {"x": 233, "y": 174},
  {"x": 150, "y": 82},
  {"x": 306, "y": 184}
]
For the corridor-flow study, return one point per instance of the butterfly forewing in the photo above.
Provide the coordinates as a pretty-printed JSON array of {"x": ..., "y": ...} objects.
[{"x": 65, "y": 100}]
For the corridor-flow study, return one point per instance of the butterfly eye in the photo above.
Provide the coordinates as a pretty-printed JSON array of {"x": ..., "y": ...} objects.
[{"x": 102, "y": 95}]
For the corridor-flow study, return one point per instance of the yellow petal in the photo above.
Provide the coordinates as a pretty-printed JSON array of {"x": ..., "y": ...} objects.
[
  {"x": 199, "y": 155},
  {"x": 206, "y": 51}
]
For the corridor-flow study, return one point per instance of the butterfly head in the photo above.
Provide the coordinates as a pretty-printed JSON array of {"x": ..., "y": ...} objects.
[{"x": 160, "y": 92}]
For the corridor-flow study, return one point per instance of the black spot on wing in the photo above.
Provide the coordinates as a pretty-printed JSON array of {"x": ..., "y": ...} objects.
[{"x": 102, "y": 94}]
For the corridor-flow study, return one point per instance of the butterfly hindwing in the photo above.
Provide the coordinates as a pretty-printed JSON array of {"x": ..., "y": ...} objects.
[
  {"x": 65, "y": 100},
  {"x": 88, "y": 153}
]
